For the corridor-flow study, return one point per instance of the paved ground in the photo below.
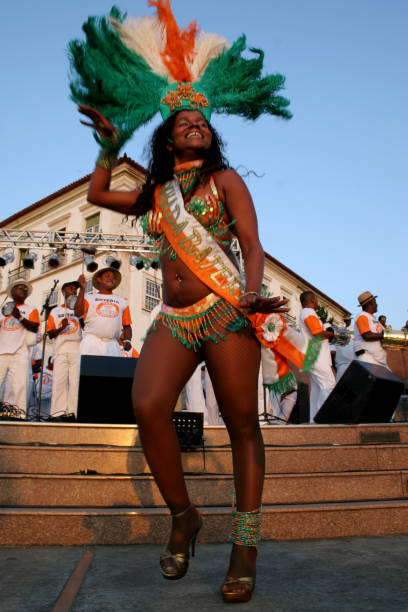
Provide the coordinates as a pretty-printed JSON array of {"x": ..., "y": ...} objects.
[{"x": 349, "y": 575}]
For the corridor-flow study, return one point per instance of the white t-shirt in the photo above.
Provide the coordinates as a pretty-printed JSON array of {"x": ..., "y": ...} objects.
[
  {"x": 14, "y": 336},
  {"x": 366, "y": 322},
  {"x": 105, "y": 314},
  {"x": 68, "y": 340},
  {"x": 310, "y": 326}
]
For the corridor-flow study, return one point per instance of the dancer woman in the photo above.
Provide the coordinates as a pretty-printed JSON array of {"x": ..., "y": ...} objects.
[{"x": 207, "y": 313}]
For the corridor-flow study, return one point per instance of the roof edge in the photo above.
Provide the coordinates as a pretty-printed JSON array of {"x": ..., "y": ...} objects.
[
  {"x": 305, "y": 282},
  {"x": 66, "y": 189}
]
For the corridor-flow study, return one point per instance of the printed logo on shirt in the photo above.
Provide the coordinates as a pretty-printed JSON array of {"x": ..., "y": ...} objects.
[
  {"x": 106, "y": 309},
  {"x": 72, "y": 326},
  {"x": 47, "y": 380},
  {"x": 11, "y": 324}
]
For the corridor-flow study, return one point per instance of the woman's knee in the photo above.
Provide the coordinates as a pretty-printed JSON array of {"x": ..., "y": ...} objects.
[
  {"x": 243, "y": 428},
  {"x": 149, "y": 408}
]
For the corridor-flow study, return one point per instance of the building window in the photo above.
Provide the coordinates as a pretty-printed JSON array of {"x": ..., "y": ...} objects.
[
  {"x": 92, "y": 224},
  {"x": 152, "y": 295},
  {"x": 53, "y": 301},
  {"x": 89, "y": 286}
]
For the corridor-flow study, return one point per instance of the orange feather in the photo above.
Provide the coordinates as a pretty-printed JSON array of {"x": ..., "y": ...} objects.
[{"x": 180, "y": 45}]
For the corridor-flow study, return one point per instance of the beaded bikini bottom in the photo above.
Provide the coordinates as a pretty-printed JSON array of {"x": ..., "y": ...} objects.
[{"x": 208, "y": 319}]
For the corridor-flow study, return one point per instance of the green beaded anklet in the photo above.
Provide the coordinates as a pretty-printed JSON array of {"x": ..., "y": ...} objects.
[{"x": 245, "y": 527}]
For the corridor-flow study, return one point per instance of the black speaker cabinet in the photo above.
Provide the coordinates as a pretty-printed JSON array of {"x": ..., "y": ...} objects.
[
  {"x": 301, "y": 410},
  {"x": 366, "y": 393},
  {"x": 105, "y": 386}
]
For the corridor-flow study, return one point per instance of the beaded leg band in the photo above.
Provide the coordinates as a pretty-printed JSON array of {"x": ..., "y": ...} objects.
[{"x": 246, "y": 527}]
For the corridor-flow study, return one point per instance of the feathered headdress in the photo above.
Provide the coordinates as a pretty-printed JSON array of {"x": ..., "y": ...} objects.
[{"x": 129, "y": 69}]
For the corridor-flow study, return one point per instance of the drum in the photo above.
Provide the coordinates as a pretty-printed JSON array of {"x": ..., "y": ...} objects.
[
  {"x": 8, "y": 308},
  {"x": 394, "y": 339},
  {"x": 341, "y": 336}
]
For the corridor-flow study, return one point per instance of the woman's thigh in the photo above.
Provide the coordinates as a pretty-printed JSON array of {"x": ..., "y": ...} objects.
[
  {"x": 163, "y": 368},
  {"x": 233, "y": 365}
]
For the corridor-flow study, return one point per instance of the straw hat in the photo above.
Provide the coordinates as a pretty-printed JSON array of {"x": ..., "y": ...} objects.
[
  {"x": 116, "y": 273},
  {"x": 19, "y": 281},
  {"x": 365, "y": 297},
  {"x": 68, "y": 283}
]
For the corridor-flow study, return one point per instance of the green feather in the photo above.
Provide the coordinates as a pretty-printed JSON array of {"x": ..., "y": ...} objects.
[
  {"x": 235, "y": 85},
  {"x": 110, "y": 77}
]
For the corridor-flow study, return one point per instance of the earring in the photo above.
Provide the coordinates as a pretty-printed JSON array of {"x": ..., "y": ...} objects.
[{"x": 170, "y": 140}]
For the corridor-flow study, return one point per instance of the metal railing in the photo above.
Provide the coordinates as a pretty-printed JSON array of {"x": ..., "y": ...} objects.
[{"x": 16, "y": 273}]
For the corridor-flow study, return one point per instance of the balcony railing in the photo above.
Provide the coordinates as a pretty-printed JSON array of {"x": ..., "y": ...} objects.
[
  {"x": 45, "y": 267},
  {"x": 290, "y": 320},
  {"x": 16, "y": 273}
]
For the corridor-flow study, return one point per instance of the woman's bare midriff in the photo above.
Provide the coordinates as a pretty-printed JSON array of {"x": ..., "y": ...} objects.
[{"x": 181, "y": 287}]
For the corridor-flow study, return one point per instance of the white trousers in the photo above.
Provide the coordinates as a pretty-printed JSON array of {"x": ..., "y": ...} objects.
[
  {"x": 195, "y": 400},
  {"x": 92, "y": 345},
  {"x": 369, "y": 358},
  {"x": 6, "y": 390},
  {"x": 65, "y": 383},
  {"x": 210, "y": 402},
  {"x": 322, "y": 382},
  {"x": 17, "y": 365},
  {"x": 282, "y": 408},
  {"x": 341, "y": 368}
]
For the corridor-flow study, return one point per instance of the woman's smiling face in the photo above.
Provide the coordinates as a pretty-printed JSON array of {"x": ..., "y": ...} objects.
[{"x": 190, "y": 131}]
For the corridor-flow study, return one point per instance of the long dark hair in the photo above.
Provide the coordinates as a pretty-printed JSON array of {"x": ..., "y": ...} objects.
[{"x": 161, "y": 164}]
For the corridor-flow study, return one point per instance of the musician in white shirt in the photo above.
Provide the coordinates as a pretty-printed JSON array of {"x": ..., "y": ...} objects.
[
  {"x": 104, "y": 314},
  {"x": 322, "y": 379},
  {"x": 368, "y": 332},
  {"x": 17, "y": 335},
  {"x": 64, "y": 327}
]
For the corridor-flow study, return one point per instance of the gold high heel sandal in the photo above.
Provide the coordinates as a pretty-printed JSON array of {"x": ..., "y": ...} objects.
[
  {"x": 175, "y": 565},
  {"x": 245, "y": 532},
  {"x": 237, "y": 589}
]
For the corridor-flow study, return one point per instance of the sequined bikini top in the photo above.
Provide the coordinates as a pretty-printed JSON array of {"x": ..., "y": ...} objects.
[{"x": 208, "y": 209}]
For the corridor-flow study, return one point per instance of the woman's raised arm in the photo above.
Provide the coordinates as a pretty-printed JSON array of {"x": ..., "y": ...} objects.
[{"x": 99, "y": 192}]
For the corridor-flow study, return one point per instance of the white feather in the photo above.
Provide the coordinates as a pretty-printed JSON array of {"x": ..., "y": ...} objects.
[
  {"x": 146, "y": 36},
  {"x": 208, "y": 46}
]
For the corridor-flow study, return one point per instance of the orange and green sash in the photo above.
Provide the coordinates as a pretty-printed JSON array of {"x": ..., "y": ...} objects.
[{"x": 206, "y": 259}]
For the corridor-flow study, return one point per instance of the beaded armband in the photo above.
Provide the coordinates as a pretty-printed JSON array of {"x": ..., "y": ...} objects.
[
  {"x": 107, "y": 159},
  {"x": 108, "y": 155}
]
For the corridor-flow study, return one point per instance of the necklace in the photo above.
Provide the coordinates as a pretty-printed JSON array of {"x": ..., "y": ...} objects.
[{"x": 187, "y": 175}]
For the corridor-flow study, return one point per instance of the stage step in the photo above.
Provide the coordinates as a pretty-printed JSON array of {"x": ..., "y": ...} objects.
[
  {"x": 74, "y": 484},
  {"x": 105, "y": 460},
  {"x": 127, "y": 435},
  {"x": 204, "y": 489},
  {"x": 121, "y": 526}
]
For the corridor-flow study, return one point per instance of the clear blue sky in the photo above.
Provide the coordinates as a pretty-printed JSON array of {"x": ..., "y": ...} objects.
[{"x": 332, "y": 198}]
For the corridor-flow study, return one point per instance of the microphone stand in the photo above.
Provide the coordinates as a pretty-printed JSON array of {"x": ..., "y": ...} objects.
[{"x": 46, "y": 308}]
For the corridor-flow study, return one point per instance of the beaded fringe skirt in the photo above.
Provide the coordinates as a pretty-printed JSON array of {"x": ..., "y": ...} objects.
[{"x": 208, "y": 319}]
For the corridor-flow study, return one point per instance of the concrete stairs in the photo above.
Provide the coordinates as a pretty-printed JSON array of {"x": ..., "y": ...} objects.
[{"x": 72, "y": 484}]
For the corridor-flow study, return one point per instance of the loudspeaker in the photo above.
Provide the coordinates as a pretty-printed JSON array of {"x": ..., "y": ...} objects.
[
  {"x": 105, "y": 387},
  {"x": 301, "y": 410},
  {"x": 366, "y": 393}
]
